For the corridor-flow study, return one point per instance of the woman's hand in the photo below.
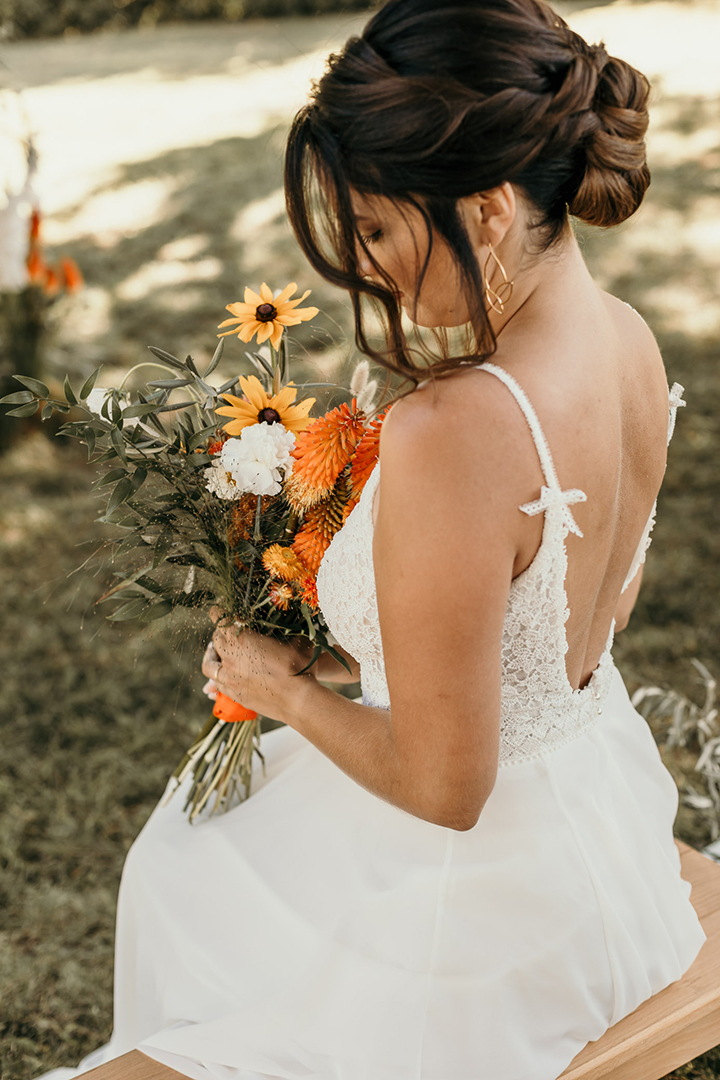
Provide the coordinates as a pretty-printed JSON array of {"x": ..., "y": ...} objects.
[{"x": 257, "y": 671}]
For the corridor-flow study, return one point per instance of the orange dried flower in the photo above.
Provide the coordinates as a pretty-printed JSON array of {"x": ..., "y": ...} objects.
[
  {"x": 321, "y": 452},
  {"x": 282, "y": 562},
  {"x": 281, "y": 594},
  {"x": 309, "y": 594},
  {"x": 366, "y": 454},
  {"x": 321, "y": 523},
  {"x": 242, "y": 517}
]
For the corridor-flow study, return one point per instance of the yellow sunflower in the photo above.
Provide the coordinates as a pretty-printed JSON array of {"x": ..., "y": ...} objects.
[
  {"x": 258, "y": 407},
  {"x": 265, "y": 316}
]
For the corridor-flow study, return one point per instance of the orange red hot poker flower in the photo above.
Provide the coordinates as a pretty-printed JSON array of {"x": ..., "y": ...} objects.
[{"x": 321, "y": 453}]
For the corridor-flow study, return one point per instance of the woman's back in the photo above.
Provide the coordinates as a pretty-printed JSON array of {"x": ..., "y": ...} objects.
[{"x": 594, "y": 373}]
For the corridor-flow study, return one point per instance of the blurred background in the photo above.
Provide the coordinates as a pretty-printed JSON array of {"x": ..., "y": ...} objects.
[{"x": 141, "y": 151}]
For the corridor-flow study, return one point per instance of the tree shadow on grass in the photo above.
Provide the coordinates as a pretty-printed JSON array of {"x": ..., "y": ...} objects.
[{"x": 222, "y": 227}]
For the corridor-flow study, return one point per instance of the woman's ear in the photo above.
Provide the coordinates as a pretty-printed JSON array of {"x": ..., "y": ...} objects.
[{"x": 488, "y": 215}]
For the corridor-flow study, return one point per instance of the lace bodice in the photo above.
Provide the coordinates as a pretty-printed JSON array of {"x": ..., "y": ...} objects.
[{"x": 539, "y": 708}]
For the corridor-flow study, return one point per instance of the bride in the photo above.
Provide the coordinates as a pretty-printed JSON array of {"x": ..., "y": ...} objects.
[{"x": 470, "y": 873}]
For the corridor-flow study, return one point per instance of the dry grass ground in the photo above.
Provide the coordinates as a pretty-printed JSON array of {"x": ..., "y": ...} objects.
[{"x": 161, "y": 155}]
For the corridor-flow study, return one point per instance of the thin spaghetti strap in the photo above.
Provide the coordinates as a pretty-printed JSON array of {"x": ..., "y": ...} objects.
[{"x": 551, "y": 494}]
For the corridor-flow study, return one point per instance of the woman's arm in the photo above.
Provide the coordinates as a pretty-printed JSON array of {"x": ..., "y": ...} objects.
[
  {"x": 627, "y": 601},
  {"x": 445, "y": 543}
]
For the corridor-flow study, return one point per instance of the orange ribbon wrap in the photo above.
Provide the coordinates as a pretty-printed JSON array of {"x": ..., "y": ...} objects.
[{"x": 231, "y": 711}]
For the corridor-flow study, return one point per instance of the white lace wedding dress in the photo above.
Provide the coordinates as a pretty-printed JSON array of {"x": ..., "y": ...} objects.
[{"x": 316, "y": 932}]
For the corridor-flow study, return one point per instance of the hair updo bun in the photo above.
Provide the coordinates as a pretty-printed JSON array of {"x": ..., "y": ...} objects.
[
  {"x": 615, "y": 175},
  {"x": 441, "y": 99}
]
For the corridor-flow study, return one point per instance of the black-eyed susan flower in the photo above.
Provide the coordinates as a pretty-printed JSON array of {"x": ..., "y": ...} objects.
[
  {"x": 259, "y": 407},
  {"x": 265, "y": 315}
]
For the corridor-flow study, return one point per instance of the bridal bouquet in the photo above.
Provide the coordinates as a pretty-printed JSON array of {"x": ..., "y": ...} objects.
[{"x": 223, "y": 500}]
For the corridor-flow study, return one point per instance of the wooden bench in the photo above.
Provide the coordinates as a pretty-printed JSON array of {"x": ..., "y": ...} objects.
[{"x": 666, "y": 1031}]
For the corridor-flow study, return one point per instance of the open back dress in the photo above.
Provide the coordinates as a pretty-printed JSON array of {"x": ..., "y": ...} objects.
[{"x": 318, "y": 932}]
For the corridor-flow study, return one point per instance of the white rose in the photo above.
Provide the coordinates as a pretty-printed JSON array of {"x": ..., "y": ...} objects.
[
  {"x": 219, "y": 481},
  {"x": 259, "y": 459}
]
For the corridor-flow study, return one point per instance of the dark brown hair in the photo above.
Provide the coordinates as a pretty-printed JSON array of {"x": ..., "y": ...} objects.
[{"x": 440, "y": 100}]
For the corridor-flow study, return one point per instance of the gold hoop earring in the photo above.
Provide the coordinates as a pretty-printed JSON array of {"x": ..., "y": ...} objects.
[{"x": 497, "y": 298}]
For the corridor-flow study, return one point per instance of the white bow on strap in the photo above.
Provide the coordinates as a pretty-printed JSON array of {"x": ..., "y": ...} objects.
[
  {"x": 675, "y": 401},
  {"x": 555, "y": 496}
]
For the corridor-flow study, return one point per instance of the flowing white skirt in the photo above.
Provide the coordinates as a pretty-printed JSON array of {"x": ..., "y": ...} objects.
[{"x": 316, "y": 932}]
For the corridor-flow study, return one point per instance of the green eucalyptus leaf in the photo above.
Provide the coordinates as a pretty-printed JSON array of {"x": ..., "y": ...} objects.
[
  {"x": 61, "y": 406},
  {"x": 149, "y": 584},
  {"x": 75, "y": 429},
  {"x": 107, "y": 455},
  {"x": 337, "y": 656},
  {"x": 47, "y": 411},
  {"x": 121, "y": 491},
  {"x": 35, "y": 385},
  {"x": 178, "y": 405},
  {"x": 187, "y": 559},
  {"x": 217, "y": 356},
  {"x": 257, "y": 358},
  {"x": 200, "y": 436},
  {"x": 25, "y": 410},
  {"x": 190, "y": 363},
  {"x": 138, "y": 478},
  {"x": 162, "y": 546},
  {"x": 206, "y": 388},
  {"x": 20, "y": 397},
  {"x": 89, "y": 437},
  {"x": 167, "y": 358},
  {"x": 111, "y": 476},
  {"x": 68, "y": 391},
  {"x": 118, "y": 444},
  {"x": 316, "y": 654},
  {"x": 170, "y": 384},
  {"x": 132, "y": 610},
  {"x": 137, "y": 410},
  {"x": 89, "y": 383},
  {"x": 158, "y": 610}
]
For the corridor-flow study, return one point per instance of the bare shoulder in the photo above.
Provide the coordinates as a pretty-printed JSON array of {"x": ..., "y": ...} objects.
[
  {"x": 635, "y": 332},
  {"x": 461, "y": 428}
]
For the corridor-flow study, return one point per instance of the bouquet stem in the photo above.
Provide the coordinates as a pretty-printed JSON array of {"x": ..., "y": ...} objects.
[{"x": 220, "y": 761}]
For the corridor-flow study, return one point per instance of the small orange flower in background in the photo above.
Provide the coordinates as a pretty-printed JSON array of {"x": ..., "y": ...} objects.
[
  {"x": 65, "y": 276},
  {"x": 71, "y": 274},
  {"x": 282, "y": 562},
  {"x": 267, "y": 316},
  {"x": 321, "y": 453},
  {"x": 259, "y": 407},
  {"x": 37, "y": 268}
]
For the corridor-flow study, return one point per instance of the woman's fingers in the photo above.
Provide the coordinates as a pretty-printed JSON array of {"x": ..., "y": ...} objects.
[
  {"x": 210, "y": 688},
  {"x": 211, "y": 661}
]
